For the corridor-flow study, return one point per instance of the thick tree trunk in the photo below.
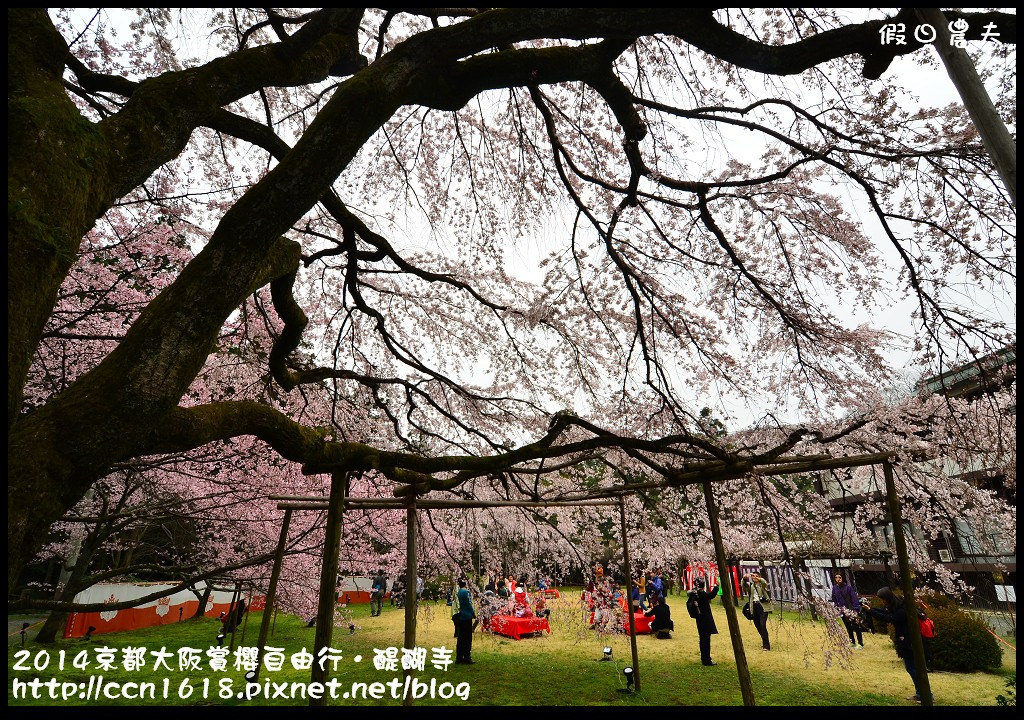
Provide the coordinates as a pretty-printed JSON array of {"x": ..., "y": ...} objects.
[
  {"x": 55, "y": 162},
  {"x": 201, "y": 610},
  {"x": 54, "y": 624},
  {"x": 63, "y": 173}
]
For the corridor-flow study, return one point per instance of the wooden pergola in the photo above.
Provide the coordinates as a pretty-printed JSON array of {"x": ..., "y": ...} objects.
[{"x": 338, "y": 502}]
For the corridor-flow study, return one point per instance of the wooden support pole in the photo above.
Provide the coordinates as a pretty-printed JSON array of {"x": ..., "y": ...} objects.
[
  {"x": 236, "y": 596},
  {"x": 746, "y": 688},
  {"x": 245, "y": 623},
  {"x": 907, "y": 581},
  {"x": 627, "y": 571},
  {"x": 411, "y": 594},
  {"x": 994, "y": 136},
  {"x": 275, "y": 575},
  {"x": 328, "y": 581},
  {"x": 808, "y": 591}
]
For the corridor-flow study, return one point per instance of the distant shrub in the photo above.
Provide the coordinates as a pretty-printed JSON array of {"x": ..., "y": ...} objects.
[{"x": 962, "y": 643}]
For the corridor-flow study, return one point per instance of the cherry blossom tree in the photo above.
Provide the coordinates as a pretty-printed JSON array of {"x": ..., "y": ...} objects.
[{"x": 488, "y": 242}]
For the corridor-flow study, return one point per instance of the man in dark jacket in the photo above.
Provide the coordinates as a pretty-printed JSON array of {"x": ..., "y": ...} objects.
[
  {"x": 895, "y": 613},
  {"x": 705, "y": 620}
]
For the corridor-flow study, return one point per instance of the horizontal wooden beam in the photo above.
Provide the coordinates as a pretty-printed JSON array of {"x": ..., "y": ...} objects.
[
  {"x": 726, "y": 472},
  {"x": 312, "y": 503},
  {"x": 788, "y": 466}
]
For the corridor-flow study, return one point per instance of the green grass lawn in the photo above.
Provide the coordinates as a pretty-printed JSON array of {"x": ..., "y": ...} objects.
[{"x": 562, "y": 668}]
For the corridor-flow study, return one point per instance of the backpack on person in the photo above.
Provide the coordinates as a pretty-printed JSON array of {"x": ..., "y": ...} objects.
[
  {"x": 692, "y": 607},
  {"x": 926, "y": 624}
]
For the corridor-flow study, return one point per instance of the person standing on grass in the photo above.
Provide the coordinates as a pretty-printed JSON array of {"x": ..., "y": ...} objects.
[
  {"x": 760, "y": 595},
  {"x": 464, "y": 625},
  {"x": 926, "y": 636},
  {"x": 378, "y": 591},
  {"x": 845, "y": 598},
  {"x": 642, "y": 588},
  {"x": 705, "y": 620},
  {"x": 895, "y": 612},
  {"x": 668, "y": 582}
]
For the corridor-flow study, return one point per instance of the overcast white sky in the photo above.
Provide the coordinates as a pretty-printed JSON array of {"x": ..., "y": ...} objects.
[{"x": 930, "y": 86}]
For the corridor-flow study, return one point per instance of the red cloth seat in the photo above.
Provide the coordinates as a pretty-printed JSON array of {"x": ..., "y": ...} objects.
[
  {"x": 514, "y": 627},
  {"x": 640, "y": 621}
]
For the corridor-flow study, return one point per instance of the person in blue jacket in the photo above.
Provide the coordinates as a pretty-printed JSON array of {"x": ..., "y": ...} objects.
[{"x": 657, "y": 589}]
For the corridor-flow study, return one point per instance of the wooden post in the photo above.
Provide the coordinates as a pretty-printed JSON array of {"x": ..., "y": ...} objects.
[
  {"x": 411, "y": 594},
  {"x": 245, "y": 623},
  {"x": 275, "y": 575},
  {"x": 808, "y": 588},
  {"x": 746, "y": 688},
  {"x": 328, "y": 580},
  {"x": 236, "y": 596},
  {"x": 628, "y": 573},
  {"x": 913, "y": 629},
  {"x": 994, "y": 136}
]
